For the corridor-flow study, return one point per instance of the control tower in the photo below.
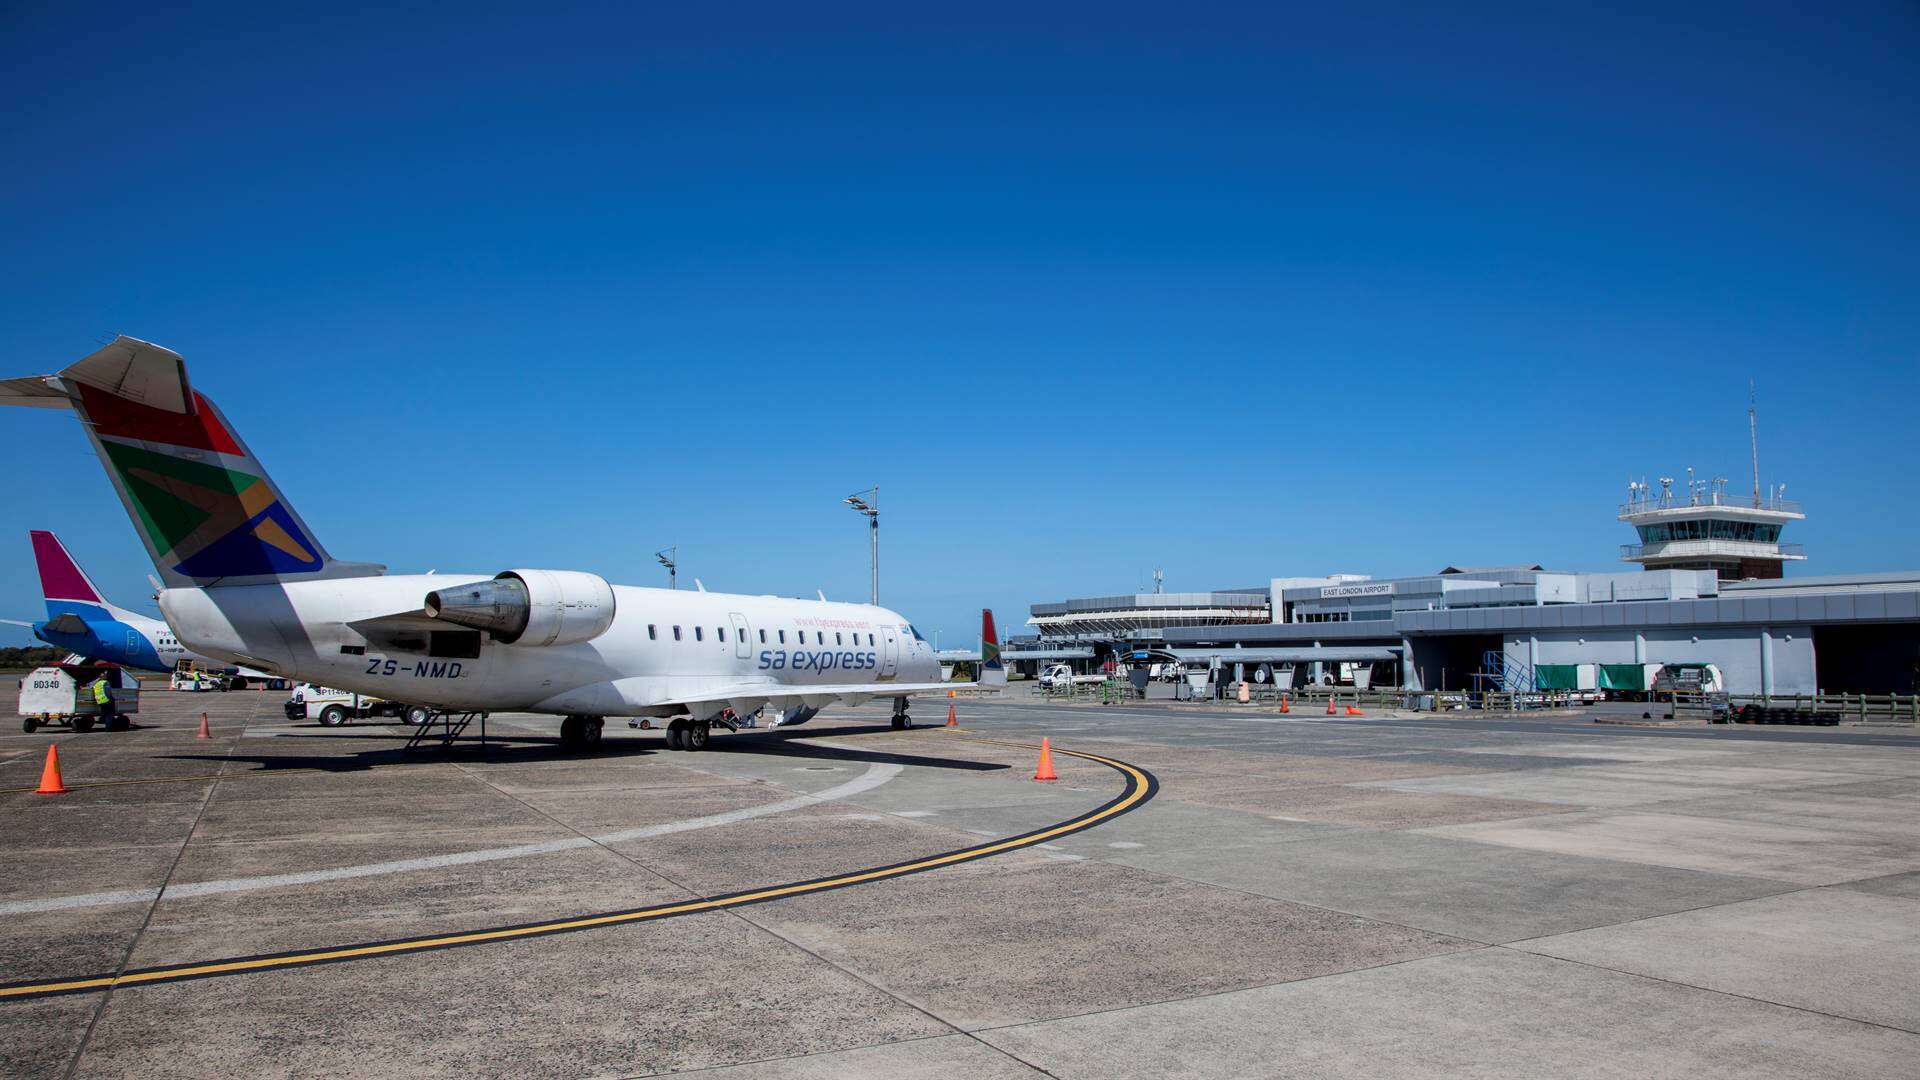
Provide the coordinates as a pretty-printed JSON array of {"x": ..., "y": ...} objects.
[{"x": 1705, "y": 528}]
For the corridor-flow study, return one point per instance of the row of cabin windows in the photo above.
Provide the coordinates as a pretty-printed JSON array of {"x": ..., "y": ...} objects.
[{"x": 720, "y": 634}]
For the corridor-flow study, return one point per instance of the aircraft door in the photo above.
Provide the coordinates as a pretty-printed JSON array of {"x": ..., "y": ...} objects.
[
  {"x": 134, "y": 641},
  {"x": 889, "y": 653},
  {"x": 742, "y": 648}
]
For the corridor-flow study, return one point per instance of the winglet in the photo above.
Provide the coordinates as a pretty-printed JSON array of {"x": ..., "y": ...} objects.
[{"x": 992, "y": 671}]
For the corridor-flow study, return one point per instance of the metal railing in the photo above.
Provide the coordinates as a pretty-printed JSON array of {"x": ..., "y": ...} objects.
[
  {"x": 1827, "y": 706},
  {"x": 1635, "y": 551},
  {"x": 1673, "y": 501}
]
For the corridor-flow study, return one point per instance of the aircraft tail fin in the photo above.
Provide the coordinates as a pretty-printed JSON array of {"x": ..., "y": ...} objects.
[
  {"x": 62, "y": 583},
  {"x": 201, "y": 502},
  {"x": 992, "y": 671}
]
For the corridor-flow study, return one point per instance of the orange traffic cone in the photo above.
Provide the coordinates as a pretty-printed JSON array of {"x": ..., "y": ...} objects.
[
  {"x": 1330, "y": 705},
  {"x": 205, "y": 732},
  {"x": 50, "y": 775},
  {"x": 1045, "y": 771},
  {"x": 1284, "y": 708},
  {"x": 952, "y": 721},
  {"x": 1354, "y": 710}
]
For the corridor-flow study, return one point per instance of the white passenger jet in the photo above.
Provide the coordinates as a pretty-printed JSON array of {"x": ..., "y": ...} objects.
[{"x": 245, "y": 580}]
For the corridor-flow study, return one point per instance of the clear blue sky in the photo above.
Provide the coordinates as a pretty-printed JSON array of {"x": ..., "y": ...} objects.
[{"x": 1234, "y": 291}]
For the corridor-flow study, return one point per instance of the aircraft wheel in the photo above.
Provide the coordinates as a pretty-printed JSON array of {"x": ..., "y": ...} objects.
[
  {"x": 695, "y": 736},
  {"x": 590, "y": 732},
  {"x": 416, "y": 715},
  {"x": 901, "y": 721},
  {"x": 333, "y": 716},
  {"x": 677, "y": 734},
  {"x": 573, "y": 730}
]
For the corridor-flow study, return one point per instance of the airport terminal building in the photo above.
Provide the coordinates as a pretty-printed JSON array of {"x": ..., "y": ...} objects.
[{"x": 1702, "y": 597}]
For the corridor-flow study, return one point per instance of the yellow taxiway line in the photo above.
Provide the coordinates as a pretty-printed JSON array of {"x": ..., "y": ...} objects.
[{"x": 1140, "y": 787}]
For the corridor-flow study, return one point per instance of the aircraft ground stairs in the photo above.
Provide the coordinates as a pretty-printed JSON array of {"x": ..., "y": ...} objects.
[{"x": 444, "y": 727}]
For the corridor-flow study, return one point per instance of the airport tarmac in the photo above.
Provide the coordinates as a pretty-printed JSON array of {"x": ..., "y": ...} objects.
[{"x": 1207, "y": 893}]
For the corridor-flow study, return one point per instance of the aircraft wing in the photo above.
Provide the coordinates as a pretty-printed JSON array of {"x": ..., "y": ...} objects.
[
  {"x": 706, "y": 702},
  {"x": 17, "y": 622}
]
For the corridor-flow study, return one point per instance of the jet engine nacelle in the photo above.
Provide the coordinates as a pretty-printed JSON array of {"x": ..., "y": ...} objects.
[{"x": 529, "y": 607}]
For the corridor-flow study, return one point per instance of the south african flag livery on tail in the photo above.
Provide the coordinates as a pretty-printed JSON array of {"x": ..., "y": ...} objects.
[
  {"x": 201, "y": 501},
  {"x": 992, "y": 671}
]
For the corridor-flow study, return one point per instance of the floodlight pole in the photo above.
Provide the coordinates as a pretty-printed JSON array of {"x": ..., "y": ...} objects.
[
  {"x": 665, "y": 559},
  {"x": 868, "y": 502}
]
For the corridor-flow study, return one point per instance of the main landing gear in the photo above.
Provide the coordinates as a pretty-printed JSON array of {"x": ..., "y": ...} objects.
[
  {"x": 686, "y": 734},
  {"x": 901, "y": 721},
  {"x": 581, "y": 732}
]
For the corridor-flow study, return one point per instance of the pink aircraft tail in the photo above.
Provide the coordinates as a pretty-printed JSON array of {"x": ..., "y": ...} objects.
[{"x": 60, "y": 577}]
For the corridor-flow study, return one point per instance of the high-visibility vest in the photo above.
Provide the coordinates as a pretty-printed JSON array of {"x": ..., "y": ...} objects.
[{"x": 101, "y": 695}]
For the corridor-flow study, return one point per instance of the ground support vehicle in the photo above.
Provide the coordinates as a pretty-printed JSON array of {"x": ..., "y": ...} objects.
[{"x": 62, "y": 695}]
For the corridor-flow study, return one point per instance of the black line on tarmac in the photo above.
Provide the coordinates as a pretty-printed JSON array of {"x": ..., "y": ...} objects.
[{"x": 1141, "y": 786}]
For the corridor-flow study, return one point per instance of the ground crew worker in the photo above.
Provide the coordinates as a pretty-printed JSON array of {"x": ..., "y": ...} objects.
[{"x": 103, "y": 697}]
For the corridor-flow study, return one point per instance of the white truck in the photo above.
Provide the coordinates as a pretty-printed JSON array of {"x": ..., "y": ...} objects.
[
  {"x": 194, "y": 677},
  {"x": 336, "y": 707},
  {"x": 59, "y": 694},
  {"x": 1687, "y": 678},
  {"x": 1061, "y": 676}
]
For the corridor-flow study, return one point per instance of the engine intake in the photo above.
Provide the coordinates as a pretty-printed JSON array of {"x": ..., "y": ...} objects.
[{"x": 529, "y": 607}]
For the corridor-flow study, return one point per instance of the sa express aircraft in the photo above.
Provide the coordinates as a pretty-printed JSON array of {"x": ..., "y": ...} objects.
[{"x": 245, "y": 580}]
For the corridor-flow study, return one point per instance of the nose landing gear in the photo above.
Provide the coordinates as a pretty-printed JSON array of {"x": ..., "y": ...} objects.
[{"x": 901, "y": 721}]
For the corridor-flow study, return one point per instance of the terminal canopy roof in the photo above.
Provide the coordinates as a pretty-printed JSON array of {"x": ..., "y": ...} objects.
[{"x": 1307, "y": 655}]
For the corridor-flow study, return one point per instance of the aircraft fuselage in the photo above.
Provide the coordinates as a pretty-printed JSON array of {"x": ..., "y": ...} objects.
[{"x": 662, "y": 645}]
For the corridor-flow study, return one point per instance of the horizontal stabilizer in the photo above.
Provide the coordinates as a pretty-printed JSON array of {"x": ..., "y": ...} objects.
[
  {"x": 138, "y": 372},
  {"x": 33, "y": 392},
  {"x": 68, "y": 623}
]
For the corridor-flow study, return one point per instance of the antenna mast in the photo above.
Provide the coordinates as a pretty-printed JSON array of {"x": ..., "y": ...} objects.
[{"x": 1753, "y": 439}]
